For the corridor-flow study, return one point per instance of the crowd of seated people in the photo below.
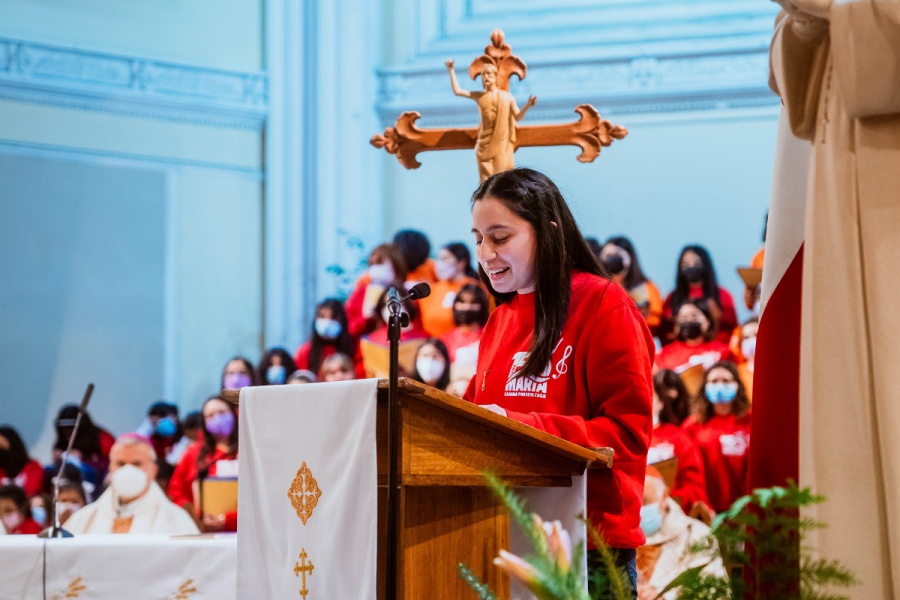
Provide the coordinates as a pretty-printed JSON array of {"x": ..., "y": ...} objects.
[{"x": 701, "y": 424}]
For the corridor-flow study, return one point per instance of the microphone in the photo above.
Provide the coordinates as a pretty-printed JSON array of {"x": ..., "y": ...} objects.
[
  {"x": 419, "y": 291},
  {"x": 393, "y": 301},
  {"x": 55, "y": 530}
]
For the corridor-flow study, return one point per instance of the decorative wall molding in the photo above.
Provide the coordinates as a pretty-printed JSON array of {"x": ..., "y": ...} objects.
[
  {"x": 135, "y": 86},
  {"x": 624, "y": 57},
  {"x": 634, "y": 86},
  {"x": 115, "y": 158}
]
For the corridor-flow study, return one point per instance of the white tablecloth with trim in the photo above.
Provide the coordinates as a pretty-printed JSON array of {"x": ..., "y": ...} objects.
[{"x": 118, "y": 567}]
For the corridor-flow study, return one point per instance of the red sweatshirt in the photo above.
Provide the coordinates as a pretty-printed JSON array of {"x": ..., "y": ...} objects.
[
  {"x": 27, "y": 527},
  {"x": 690, "y": 480},
  {"x": 357, "y": 324},
  {"x": 724, "y": 444},
  {"x": 301, "y": 358},
  {"x": 181, "y": 485},
  {"x": 30, "y": 478},
  {"x": 596, "y": 391},
  {"x": 678, "y": 356}
]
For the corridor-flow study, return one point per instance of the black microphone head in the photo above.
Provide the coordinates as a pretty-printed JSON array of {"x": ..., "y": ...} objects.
[
  {"x": 87, "y": 397},
  {"x": 419, "y": 291}
]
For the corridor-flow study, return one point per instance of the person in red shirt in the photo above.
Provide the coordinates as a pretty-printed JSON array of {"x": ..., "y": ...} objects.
[
  {"x": 16, "y": 466},
  {"x": 670, "y": 409},
  {"x": 696, "y": 279},
  {"x": 386, "y": 264},
  {"x": 215, "y": 454},
  {"x": 567, "y": 351},
  {"x": 721, "y": 430},
  {"x": 697, "y": 342},
  {"x": 15, "y": 511},
  {"x": 330, "y": 334}
]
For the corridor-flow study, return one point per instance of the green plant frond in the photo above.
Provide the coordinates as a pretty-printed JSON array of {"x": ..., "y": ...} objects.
[
  {"x": 479, "y": 589},
  {"x": 617, "y": 577},
  {"x": 818, "y": 571}
]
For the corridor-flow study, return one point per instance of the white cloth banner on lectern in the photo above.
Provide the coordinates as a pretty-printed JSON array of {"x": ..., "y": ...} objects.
[
  {"x": 563, "y": 504},
  {"x": 308, "y": 491}
]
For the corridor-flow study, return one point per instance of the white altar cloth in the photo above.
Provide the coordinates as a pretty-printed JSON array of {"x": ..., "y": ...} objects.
[{"x": 115, "y": 567}]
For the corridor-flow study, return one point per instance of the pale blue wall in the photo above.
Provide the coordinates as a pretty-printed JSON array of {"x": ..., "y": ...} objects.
[
  {"x": 256, "y": 114},
  {"x": 81, "y": 289},
  {"x": 142, "y": 126}
]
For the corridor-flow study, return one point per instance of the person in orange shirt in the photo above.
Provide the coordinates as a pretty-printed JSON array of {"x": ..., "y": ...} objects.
[
  {"x": 751, "y": 294},
  {"x": 621, "y": 261},
  {"x": 454, "y": 270},
  {"x": 743, "y": 346}
]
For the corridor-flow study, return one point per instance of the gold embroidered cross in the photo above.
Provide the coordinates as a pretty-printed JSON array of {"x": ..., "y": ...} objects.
[
  {"x": 302, "y": 568},
  {"x": 304, "y": 493}
]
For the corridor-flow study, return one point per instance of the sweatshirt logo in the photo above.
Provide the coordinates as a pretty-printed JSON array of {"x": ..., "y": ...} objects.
[{"x": 535, "y": 386}]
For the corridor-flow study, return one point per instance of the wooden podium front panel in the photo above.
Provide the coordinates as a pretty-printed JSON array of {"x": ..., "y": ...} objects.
[
  {"x": 440, "y": 448},
  {"x": 444, "y": 526}
]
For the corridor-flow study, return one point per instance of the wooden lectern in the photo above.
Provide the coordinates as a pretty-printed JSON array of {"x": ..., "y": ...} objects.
[{"x": 447, "y": 514}]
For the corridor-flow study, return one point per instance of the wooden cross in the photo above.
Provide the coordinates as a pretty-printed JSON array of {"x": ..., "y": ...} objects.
[
  {"x": 589, "y": 133},
  {"x": 302, "y": 568}
]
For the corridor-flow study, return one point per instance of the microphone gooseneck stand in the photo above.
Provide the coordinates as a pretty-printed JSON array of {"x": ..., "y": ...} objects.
[
  {"x": 396, "y": 321},
  {"x": 55, "y": 530}
]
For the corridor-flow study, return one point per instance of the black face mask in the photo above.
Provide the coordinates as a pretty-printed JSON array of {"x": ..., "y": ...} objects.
[
  {"x": 690, "y": 330},
  {"x": 466, "y": 317},
  {"x": 614, "y": 264},
  {"x": 694, "y": 274}
]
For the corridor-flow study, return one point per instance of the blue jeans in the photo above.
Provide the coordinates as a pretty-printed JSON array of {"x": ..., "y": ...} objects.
[{"x": 625, "y": 559}]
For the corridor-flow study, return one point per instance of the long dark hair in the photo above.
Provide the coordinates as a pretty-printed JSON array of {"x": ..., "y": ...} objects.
[
  {"x": 478, "y": 295},
  {"x": 702, "y": 304},
  {"x": 674, "y": 411},
  {"x": 461, "y": 252},
  {"x": 251, "y": 372},
  {"x": 444, "y": 380},
  {"x": 209, "y": 441},
  {"x": 710, "y": 285},
  {"x": 635, "y": 275},
  {"x": 262, "y": 371},
  {"x": 560, "y": 250},
  {"x": 740, "y": 406},
  {"x": 87, "y": 442},
  {"x": 343, "y": 343},
  {"x": 18, "y": 454}
]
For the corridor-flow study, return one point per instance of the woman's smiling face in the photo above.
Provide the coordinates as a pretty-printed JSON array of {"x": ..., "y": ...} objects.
[{"x": 505, "y": 246}]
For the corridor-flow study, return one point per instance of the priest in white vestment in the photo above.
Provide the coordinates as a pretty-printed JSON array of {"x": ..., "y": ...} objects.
[
  {"x": 836, "y": 66},
  {"x": 133, "y": 503}
]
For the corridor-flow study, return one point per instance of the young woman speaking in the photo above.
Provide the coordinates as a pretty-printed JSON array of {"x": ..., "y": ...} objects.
[{"x": 567, "y": 350}]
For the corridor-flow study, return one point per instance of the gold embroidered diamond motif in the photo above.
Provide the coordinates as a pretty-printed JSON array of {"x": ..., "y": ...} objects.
[{"x": 304, "y": 493}]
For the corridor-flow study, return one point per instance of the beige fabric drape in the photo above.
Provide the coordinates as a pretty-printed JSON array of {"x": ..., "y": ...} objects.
[{"x": 841, "y": 90}]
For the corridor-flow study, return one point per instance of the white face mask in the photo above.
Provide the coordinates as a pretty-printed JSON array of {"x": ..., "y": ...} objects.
[
  {"x": 382, "y": 273},
  {"x": 12, "y": 521},
  {"x": 429, "y": 368},
  {"x": 129, "y": 482},
  {"x": 748, "y": 348},
  {"x": 444, "y": 270}
]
